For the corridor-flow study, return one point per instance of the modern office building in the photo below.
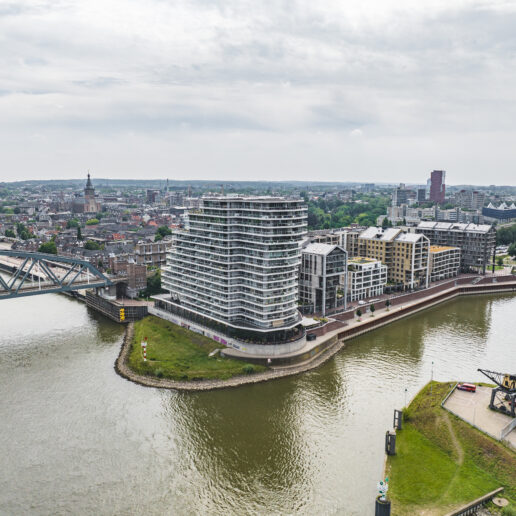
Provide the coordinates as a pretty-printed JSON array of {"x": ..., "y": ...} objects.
[
  {"x": 400, "y": 195},
  {"x": 235, "y": 267},
  {"x": 437, "y": 186},
  {"x": 444, "y": 262},
  {"x": 470, "y": 200},
  {"x": 503, "y": 213},
  {"x": 320, "y": 278},
  {"x": 404, "y": 254},
  {"x": 421, "y": 194},
  {"x": 366, "y": 278},
  {"x": 476, "y": 241}
]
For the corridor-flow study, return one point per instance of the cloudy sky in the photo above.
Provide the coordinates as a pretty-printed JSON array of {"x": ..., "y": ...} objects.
[{"x": 373, "y": 90}]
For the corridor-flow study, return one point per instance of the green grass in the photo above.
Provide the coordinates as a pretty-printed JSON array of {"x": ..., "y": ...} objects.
[
  {"x": 180, "y": 354},
  {"x": 434, "y": 470}
]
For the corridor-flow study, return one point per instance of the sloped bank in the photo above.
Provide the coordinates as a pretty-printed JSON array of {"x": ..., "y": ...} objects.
[{"x": 328, "y": 347}]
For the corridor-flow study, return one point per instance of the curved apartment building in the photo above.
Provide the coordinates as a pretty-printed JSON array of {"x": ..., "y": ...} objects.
[{"x": 235, "y": 266}]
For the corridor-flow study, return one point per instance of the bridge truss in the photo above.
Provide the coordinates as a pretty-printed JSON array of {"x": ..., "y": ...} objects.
[{"x": 31, "y": 274}]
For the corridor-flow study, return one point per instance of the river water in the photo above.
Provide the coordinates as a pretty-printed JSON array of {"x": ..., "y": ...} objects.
[{"x": 78, "y": 439}]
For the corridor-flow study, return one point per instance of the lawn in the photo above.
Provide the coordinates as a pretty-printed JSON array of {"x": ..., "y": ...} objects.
[
  {"x": 180, "y": 354},
  {"x": 442, "y": 462}
]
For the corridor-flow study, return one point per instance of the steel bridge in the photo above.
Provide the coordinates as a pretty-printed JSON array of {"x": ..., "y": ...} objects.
[{"x": 32, "y": 274}]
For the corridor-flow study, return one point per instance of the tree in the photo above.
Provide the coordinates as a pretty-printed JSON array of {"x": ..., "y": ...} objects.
[
  {"x": 48, "y": 248},
  {"x": 499, "y": 261},
  {"x": 387, "y": 303},
  {"x": 79, "y": 234},
  {"x": 359, "y": 313},
  {"x": 16, "y": 210},
  {"x": 10, "y": 233},
  {"x": 72, "y": 223},
  {"x": 512, "y": 250},
  {"x": 91, "y": 245},
  {"x": 161, "y": 232},
  {"x": 372, "y": 308},
  {"x": 153, "y": 284},
  {"x": 23, "y": 232},
  {"x": 92, "y": 222}
]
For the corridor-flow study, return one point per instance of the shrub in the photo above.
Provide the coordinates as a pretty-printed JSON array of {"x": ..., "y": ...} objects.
[
  {"x": 159, "y": 373},
  {"x": 510, "y": 510},
  {"x": 408, "y": 414},
  {"x": 248, "y": 369}
]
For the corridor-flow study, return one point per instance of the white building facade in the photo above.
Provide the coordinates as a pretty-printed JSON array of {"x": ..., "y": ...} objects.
[
  {"x": 235, "y": 266},
  {"x": 320, "y": 280},
  {"x": 366, "y": 278}
]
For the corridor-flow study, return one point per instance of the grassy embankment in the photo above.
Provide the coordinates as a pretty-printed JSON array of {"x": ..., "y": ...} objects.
[
  {"x": 180, "y": 354},
  {"x": 442, "y": 462}
]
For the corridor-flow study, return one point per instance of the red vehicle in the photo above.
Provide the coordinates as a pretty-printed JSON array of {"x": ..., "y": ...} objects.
[{"x": 467, "y": 387}]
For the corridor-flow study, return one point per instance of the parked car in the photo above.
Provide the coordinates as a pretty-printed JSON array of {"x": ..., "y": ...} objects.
[
  {"x": 470, "y": 387},
  {"x": 311, "y": 336}
]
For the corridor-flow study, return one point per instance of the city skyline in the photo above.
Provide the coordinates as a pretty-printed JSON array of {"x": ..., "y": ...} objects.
[{"x": 384, "y": 91}]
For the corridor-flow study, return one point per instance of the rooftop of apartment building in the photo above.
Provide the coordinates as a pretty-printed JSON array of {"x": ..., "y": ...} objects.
[
  {"x": 320, "y": 249},
  {"x": 361, "y": 260},
  {"x": 377, "y": 233},
  {"x": 253, "y": 198},
  {"x": 455, "y": 226},
  {"x": 441, "y": 248}
]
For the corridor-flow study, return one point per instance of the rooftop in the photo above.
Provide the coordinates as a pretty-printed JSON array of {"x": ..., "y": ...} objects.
[
  {"x": 321, "y": 249},
  {"x": 455, "y": 226},
  {"x": 440, "y": 248}
]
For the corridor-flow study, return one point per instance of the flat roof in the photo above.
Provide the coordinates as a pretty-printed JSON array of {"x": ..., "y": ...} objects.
[
  {"x": 439, "y": 248},
  {"x": 362, "y": 259}
]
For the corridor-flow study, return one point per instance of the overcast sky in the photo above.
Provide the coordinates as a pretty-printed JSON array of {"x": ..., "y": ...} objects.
[{"x": 336, "y": 90}]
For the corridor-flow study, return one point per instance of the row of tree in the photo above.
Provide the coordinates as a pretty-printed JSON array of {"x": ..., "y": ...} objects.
[{"x": 335, "y": 213}]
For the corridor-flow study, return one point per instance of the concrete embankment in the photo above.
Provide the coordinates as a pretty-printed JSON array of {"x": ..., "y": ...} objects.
[{"x": 328, "y": 345}]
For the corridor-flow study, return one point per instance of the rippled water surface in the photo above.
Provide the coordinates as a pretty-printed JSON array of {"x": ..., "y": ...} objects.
[{"x": 79, "y": 439}]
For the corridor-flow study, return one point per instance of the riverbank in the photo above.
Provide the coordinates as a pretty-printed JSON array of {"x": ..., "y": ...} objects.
[
  {"x": 442, "y": 462},
  {"x": 176, "y": 353},
  {"x": 326, "y": 346}
]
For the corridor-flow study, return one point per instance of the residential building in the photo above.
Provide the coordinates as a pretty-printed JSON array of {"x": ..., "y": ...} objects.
[
  {"x": 236, "y": 266},
  {"x": 322, "y": 267},
  {"x": 367, "y": 278},
  {"x": 404, "y": 254},
  {"x": 476, "y": 241},
  {"x": 400, "y": 195},
  {"x": 444, "y": 262},
  {"x": 346, "y": 237},
  {"x": 151, "y": 253},
  {"x": 470, "y": 200},
  {"x": 437, "y": 186}
]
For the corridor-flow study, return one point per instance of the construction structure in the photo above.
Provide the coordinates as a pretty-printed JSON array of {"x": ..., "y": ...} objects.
[
  {"x": 444, "y": 262},
  {"x": 503, "y": 397},
  {"x": 476, "y": 241}
]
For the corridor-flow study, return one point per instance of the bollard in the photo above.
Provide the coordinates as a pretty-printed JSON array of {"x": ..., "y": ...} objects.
[
  {"x": 398, "y": 415},
  {"x": 382, "y": 507},
  {"x": 390, "y": 443}
]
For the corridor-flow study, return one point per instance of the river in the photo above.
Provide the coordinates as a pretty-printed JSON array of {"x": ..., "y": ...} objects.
[{"x": 78, "y": 439}]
